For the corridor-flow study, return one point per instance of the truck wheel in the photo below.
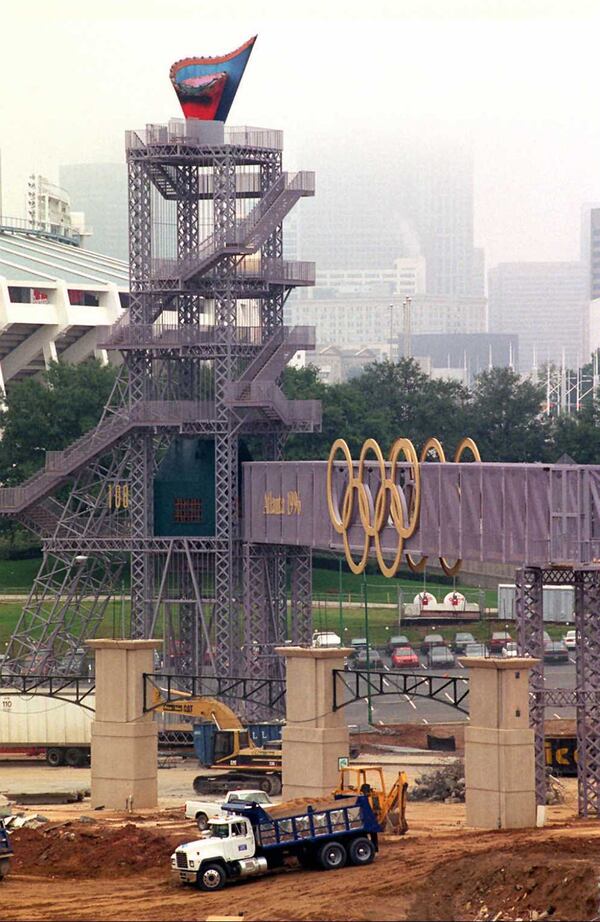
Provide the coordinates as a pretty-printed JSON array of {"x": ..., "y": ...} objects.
[
  {"x": 54, "y": 757},
  {"x": 361, "y": 851},
  {"x": 4, "y": 865},
  {"x": 74, "y": 758},
  {"x": 332, "y": 855},
  {"x": 211, "y": 877},
  {"x": 201, "y": 821}
]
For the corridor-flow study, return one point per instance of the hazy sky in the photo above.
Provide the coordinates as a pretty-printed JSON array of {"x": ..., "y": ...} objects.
[{"x": 519, "y": 79}]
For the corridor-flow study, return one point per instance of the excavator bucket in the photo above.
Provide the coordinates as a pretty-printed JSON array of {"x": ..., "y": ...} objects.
[
  {"x": 395, "y": 820},
  {"x": 388, "y": 806}
]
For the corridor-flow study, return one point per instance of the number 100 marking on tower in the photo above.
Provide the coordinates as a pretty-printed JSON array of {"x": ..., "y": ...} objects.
[{"x": 118, "y": 496}]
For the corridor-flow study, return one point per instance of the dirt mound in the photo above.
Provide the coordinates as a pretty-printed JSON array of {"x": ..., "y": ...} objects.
[
  {"x": 529, "y": 882},
  {"x": 410, "y": 735},
  {"x": 92, "y": 851}
]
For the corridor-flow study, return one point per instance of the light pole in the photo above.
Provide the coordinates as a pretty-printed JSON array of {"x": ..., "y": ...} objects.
[
  {"x": 406, "y": 304},
  {"x": 369, "y": 704}
]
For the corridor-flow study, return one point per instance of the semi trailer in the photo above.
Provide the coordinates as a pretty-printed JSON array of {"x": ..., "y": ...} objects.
[{"x": 248, "y": 841}]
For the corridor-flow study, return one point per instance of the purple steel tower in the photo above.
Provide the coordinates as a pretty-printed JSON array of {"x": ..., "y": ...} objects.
[{"x": 156, "y": 485}]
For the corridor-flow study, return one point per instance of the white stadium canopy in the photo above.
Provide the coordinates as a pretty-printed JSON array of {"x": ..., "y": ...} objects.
[{"x": 55, "y": 301}]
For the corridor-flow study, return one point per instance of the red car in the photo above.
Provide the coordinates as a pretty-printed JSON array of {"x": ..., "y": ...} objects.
[{"x": 403, "y": 657}]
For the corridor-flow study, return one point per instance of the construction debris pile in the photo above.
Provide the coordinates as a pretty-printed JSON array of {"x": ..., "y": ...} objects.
[
  {"x": 446, "y": 784},
  {"x": 82, "y": 848}
]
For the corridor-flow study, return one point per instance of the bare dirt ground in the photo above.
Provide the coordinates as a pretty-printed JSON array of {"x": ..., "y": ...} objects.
[{"x": 116, "y": 869}]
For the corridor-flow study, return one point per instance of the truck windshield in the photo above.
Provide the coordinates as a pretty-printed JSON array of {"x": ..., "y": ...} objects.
[{"x": 220, "y": 830}]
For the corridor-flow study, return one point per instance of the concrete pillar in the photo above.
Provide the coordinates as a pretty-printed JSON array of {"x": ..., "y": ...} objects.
[
  {"x": 124, "y": 738},
  {"x": 499, "y": 745},
  {"x": 315, "y": 735}
]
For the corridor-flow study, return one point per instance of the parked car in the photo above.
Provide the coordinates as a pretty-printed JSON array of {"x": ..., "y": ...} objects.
[
  {"x": 475, "y": 649},
  {"x": 360, "y": 660},
  {"x": 510, "y": 650},
  {"x": 204, "y": 810},
  {"x": 461, "y": 640},
  {"x": 326, "y": 639},
  {"x": 403, "y": 657},
  {"x": 440, "y": 656},
  {"x": 432, "y": 640},
  {"x": 399, "y": 640},
  {"x": 358, "y": 642},
  {"x": 570, "y": 640},
  {"x": 498, "y": 641},
  {"x": 556, "y": 652}
]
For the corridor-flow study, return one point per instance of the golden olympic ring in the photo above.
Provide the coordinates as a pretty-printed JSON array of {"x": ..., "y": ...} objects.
[{"x": 390, "y": 502}]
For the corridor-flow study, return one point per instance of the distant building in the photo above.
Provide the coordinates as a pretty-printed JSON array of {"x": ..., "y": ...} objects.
[
  {"x": 363, "y": 321},
  {"x": 593, "y": 253},
  {"x": 406, "y": 277},
  {"x": 547, "y": 305},
  {"x": 417, "y": 201},
  {"x": 49, "y": 210},
  {"x": 336, "y": 365},
  {"x": 472, "y": 352},
  {"x": 100, "y": 190}
]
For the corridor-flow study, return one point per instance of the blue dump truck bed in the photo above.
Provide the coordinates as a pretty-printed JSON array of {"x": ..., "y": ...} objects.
[
  {"x": 5, "y": 851},
  {"x": 345, "y": 817}
]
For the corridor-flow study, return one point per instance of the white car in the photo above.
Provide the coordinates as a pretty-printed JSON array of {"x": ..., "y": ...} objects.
[
  {"x": 205, "y": 810},
  {"x": 510, "y": 649},
  {"x": 570, "y": 640}
]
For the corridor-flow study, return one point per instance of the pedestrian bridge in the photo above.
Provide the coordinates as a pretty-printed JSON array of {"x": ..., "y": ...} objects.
[{"x": 395, "y": 508}]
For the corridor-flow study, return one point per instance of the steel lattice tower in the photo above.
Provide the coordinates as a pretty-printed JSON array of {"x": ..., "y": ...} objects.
[{"x": 204, "y": 347}]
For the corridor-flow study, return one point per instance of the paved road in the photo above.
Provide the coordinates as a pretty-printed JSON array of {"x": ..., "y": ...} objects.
[{"x": 402, "y": 709}]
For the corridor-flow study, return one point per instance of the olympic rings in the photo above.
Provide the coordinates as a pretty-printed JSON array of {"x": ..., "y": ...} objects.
[{"x": 390, "y": 505}]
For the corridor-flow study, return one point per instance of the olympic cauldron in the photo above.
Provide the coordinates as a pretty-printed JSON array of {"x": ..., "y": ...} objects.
[{"x": 404, "y": 508}]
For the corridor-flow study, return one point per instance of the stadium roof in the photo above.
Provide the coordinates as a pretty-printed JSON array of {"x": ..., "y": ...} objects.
[
  {"x": 55, "y": 300},
  {"x": 35, "y": 259}
]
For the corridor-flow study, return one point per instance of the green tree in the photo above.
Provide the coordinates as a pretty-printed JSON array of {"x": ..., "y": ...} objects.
[
  {"x": 49, "y": 413},
  {"x": 578, "y": 434},
  {"x": 505, "y": 418}
]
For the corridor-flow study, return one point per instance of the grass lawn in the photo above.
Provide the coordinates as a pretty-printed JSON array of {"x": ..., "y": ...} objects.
[
  {"x": 18, "y": 575},
  {"x": 326, "y": 585}
]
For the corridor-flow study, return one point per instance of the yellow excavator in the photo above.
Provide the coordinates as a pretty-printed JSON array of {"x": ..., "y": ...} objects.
[
  {"x": 237, "y": 760},
  {"x": 388, "y": 804}
]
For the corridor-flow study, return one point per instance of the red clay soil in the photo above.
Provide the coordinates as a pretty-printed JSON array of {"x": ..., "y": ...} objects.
[
  {"x": 415, "y": 735},
  {"x": 74, "y": 851},
  {"x": 530, "y": 882}
]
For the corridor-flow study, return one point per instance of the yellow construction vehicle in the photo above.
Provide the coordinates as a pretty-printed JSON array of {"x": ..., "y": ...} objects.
[
  {"x": 388, "y": 805},
  {"x": 236, "y": 759}
]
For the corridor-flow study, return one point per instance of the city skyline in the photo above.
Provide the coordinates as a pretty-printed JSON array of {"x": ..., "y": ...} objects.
[{"x": 518, "y": 87}]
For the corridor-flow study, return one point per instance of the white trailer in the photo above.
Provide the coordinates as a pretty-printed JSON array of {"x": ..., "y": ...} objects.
[{"x": 36, "y": 725}]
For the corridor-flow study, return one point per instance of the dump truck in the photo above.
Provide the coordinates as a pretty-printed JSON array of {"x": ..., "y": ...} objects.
[
  {"x": 6, "y": 851},
  {"x": 247, "y": 841}
]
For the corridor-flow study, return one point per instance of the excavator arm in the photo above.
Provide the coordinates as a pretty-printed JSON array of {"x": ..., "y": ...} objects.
[{"x": 197, "y": 708}]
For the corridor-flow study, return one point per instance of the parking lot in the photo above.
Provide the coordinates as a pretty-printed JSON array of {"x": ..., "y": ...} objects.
[{"x": 405, "y": 709}]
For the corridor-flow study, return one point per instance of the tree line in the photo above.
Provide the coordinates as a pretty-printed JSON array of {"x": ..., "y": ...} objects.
[{"x": 503, "y": 413}]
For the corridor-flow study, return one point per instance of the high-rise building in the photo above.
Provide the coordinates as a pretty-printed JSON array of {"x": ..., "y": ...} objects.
[
  {"x": 416, "y": 201},
  {"x": 593, "y": 252},
  {"x": 48, "y": 206},
  {"x": 100, "y": 190},
  {"x": 546, "y": 303}
]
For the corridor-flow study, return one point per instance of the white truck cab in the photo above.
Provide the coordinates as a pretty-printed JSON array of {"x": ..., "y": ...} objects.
[
  {"x": 204, "y": 810},
  {"x": 227, "y": 843}
]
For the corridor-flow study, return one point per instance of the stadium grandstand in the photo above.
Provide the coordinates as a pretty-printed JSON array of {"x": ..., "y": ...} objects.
[{"x": 56, "y": 299}]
